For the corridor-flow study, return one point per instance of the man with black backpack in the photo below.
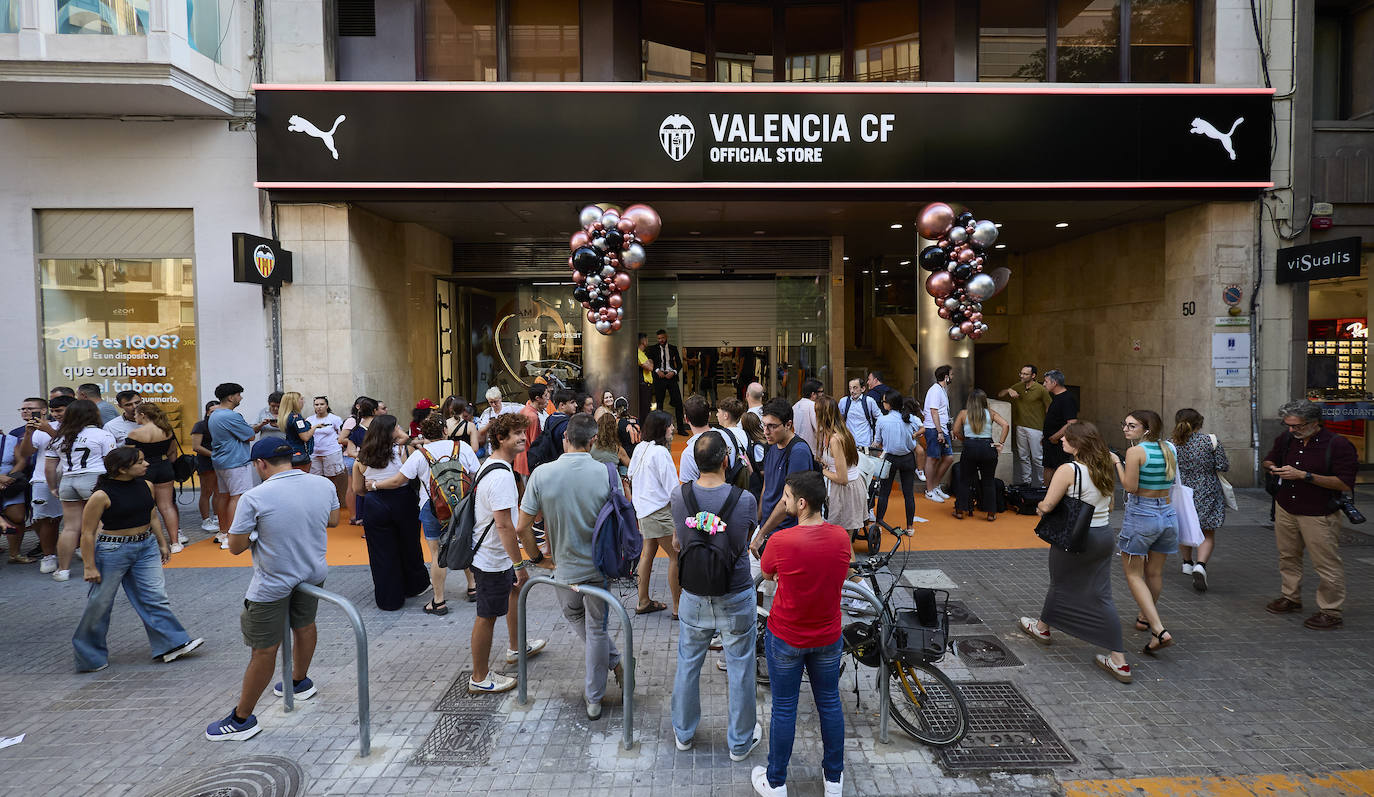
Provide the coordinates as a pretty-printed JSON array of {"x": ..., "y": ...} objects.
[
  {"x": 860, "y": 413},
  {"x": 549, "y": 446},
  {"x": 712, "y": 523},
  {"x": 698, "y": 413}
]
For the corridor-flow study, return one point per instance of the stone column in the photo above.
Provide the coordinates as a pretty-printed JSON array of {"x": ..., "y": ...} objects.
[
  {"x": 934, "y": 348},
  {"x": 610, "y": 362}
]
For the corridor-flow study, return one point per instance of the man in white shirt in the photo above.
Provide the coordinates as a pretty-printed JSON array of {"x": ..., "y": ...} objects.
[
  {"x": 45, "y": 508},
  {"x": 495, "y": 406},
  {"x": 939, "y": 447},
  {"x": 728, "y": 415},
  {"x": 753, "y": 398},
  {"x": 124, "y": 423},
  {"x": 860, "y": 413},
  {"x": 804, "y": 412},
  {"x": 698, "y": 413}
]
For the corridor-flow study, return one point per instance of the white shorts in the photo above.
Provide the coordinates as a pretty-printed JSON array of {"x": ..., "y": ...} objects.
[
  {"x": 235, "y": 481},
  {"x": 328, "y": 465},
  {"x": 45, "y": 504},
  {"x": 77, "y": 486}
]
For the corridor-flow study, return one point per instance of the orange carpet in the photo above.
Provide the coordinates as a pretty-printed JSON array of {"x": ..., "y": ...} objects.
[{"x": 346, "y": 546}]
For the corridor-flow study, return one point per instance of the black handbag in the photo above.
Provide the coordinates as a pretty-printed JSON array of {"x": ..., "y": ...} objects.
[
  {"x": 1066, "y": 526},
  {"x": 184, "y": 466}
]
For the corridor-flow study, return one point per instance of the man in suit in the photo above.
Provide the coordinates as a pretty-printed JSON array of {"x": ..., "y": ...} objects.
[{"x": 667, "y": 363}]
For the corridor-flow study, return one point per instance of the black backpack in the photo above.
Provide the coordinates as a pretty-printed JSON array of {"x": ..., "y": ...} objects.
[
  {"x": 737, "y": 470},
  {"x": 456, "y": 544},
  {"x": 549, "y": 446},
  {"x": 706, "y": 564},
  {"x": 787, "y": 453},
  {"x": 868, "y": 413}
]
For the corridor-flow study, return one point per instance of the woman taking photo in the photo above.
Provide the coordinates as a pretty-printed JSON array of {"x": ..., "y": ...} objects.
[
  {"x": 846, "y": 503},
  {"x": 979, "y": 458},
  {"x": 1149, "y": 531},
  {"x": 896, "y": 433},
  {"x": 653, "y": 479},
  {"x": 1079, "y": 601},
  {"x": 391, "y": 516},
  {"x": 351, "y": 437},
  {"x": 205, "y": 469},
  {"x": 74, "y": 460},
  {"x": 154, "y": 438},
  {"x": 129, "y": 551},
  {"x": 299, "y": 434},
  {"x": 1200, "y": 459}
]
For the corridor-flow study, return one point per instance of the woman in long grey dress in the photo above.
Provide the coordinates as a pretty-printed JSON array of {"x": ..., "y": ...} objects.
[
  {"x": 1079, "y": 601},
  {"x": 1200, "y": 459}
]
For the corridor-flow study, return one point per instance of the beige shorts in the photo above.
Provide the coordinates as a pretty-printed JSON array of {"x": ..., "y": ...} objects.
[
  {"x": 329, "y": 465},
  {"x": 235, "y": 481},
  {"x": 657, "y": 524}
]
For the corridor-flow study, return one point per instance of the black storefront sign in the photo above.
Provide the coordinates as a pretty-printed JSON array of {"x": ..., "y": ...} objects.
[
  {"x": 1328, "y": 259},
  {"x": 261, "y": 261},
  {"x": 533, "y": 136}
]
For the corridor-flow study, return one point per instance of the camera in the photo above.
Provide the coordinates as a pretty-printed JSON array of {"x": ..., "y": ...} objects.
[{"x": 1347, "y": 506}]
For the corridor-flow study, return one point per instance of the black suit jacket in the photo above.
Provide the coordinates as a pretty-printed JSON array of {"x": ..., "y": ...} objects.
[{"x": 655, "y": 353}]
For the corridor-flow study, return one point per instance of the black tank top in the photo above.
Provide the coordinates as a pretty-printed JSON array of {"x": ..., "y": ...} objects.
[
  {"x": 154, "y": 453},
  {"x": 131, "y": 504}
]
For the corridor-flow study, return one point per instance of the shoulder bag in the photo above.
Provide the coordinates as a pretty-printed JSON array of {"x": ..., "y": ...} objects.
[
  {"x": 1066, "y": 526},
  {"x": 1227, "y": 491}
]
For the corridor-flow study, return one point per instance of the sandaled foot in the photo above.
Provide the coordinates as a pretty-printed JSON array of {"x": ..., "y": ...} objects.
[
  {"x": 472, "y": 594},
  {"x": 651, "y": 607},
  {"x": 1141, "y": 624},
  {"x": 21, "y": 560},
  {"x": 436, "y": 607},
  {"x": 1152, "y": 648}
]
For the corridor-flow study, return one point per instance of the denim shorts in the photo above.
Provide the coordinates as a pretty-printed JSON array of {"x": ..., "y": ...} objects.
[
  {"x": 429, "y": 523},
  {"x": 934, "y": 448},
  {"x": 1150, "y": 526}
]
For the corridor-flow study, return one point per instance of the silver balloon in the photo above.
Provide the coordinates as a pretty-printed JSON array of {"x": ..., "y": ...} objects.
[
  {"x": 956, "y": 333},
  {"x": 607, "y": 271},
  {"x": 958, "y": 235},
  {"x": 981, "y": 287},
  {"x": 599, "y": 243},
  {"x": 951, "y": 304},
  {"x": 589, "y": 215},
  {"x": 977, "y": 307},
  {"x": 633, "y": 256},
  {"x": 984, "y": 234},
  {"x": 603, "y": 326},
  {"x": 610, "y": 219},
  {"x": 594, "y": 281}
]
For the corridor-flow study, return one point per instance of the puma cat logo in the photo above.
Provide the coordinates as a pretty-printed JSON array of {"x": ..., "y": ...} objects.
[
  {"x": 1203, "y": 127},
  {"x": 301, "y": 125}
]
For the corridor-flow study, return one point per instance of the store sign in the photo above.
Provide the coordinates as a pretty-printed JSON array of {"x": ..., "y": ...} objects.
[
  {"x": 456, "y": 136},
  {"x": 1231, "y": 350},
  {"x": 260, "y": 261},
  {"x": 1328, "y": 259},
  {"x": 1352, "y": 411}
]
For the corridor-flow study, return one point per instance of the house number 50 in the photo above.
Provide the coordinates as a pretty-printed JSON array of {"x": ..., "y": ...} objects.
[{"x": 1189, "y": 308}]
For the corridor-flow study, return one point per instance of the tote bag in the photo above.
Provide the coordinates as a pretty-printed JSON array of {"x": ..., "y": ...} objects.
[
  {"x": 1227, "y": 491},
  {"x": 1189, "y": 530},
  {"x": 1066, "y": 526}
]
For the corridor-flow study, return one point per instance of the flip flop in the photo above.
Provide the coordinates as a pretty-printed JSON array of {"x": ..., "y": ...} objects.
[{"x": 651, "y": 607}]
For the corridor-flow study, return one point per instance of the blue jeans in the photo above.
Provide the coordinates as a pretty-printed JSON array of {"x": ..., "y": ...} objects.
[
  {"x": 137, "y": 567},
  {"x": 700, "y": 617},
  {"x": 822, "y": 666},
  {"x": 1150, "y": 525}
]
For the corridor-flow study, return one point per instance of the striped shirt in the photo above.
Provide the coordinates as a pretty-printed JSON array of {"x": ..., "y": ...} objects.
[{"x": 1154, "y": 473}]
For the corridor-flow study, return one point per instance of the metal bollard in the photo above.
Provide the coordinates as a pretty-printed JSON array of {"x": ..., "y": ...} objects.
[
  {"x": 627, "y": 659},
  {"x": 360, "y": 637}
]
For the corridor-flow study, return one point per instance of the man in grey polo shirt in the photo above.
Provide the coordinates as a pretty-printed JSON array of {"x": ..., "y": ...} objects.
[
  {"x": 570, "y": 492},
  {"x": 283, "y": 522}
]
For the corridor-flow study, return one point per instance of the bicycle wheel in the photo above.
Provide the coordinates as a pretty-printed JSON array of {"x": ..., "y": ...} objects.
[
  {"x": 874, "y": 532},
  {"x": 926, "y": 703}
]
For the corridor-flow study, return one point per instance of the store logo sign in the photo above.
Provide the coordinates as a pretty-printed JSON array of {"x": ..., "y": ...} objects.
[
  {"x": 260, "y": 261},
  {"x": 1328, "y": 259},
  {"x": 265, "y": 260},
  {"x": 676, "y": 134},
  {"x": 299, "y": 124},
  {"x": 1203, "y": 127}
]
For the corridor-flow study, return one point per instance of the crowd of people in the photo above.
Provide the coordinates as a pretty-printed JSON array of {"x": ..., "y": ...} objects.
[{"x": 772, "y": 487}]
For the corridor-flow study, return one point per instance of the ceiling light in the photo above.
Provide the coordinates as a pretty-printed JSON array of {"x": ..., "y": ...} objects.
[
  {"x": 1061, "y": 225},
  {"x": 1000, "y": 246},
  {"x": 846, "y": 257},
  {"x": 694, "y": 232},
  {"x": 758, "y": 232},
  {"x": 999, "y": 224},
  {"x": 499, "y": 234},
  {"x": 897, "y": 226},
  {"x": 905, "y": 263},
  {"x": 865, "y": 271},
  {"x": 884, "y": 271}
]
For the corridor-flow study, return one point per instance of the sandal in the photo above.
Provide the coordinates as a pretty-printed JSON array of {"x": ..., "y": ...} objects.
[
  {"x": 436, "y": 607},
  {"x": 650, "y": 607},
  {"x": 1030, "y": 629},
  {"x": 1141, "y": 624},
  {"x": 1152, "y": 649},
  {"x": 958, "y": 514},
  {"x": 21, "y": 560},
  {"x": 472, "y": 595}
]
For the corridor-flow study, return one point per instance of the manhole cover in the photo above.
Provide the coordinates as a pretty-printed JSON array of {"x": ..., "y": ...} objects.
[
  {"x": 258, "y": 776},
  {"x": 1004, "y": 733},
  {"x": 458, "y": 698},
  {"x": 985, "y": 651},
  {"x": 460, "y": 738},
  {"x": 961, "y": 614},
  {"x": 1354, "y": 539}
]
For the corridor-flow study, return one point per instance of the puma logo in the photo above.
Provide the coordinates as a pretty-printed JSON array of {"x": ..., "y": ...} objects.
[
  {"x": 302, "y": 125},
  {"x": 1203, "y": 127}
]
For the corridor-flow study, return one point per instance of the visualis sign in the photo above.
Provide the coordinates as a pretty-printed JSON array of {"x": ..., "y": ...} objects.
[{"x": 1328, "y": 259}]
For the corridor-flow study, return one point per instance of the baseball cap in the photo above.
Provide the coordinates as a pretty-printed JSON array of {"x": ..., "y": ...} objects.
[
  {"x": 425, "y": 404},
  {"x": 269, "y": 447}
]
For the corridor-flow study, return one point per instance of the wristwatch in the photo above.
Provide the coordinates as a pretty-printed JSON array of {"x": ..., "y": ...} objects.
[
  {"x": 536, "y": 556},
  {"x": 1307, "y": 477}
]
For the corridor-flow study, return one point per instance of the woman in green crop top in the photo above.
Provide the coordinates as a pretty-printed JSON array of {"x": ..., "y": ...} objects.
[{"x": 1149, "y": 531}]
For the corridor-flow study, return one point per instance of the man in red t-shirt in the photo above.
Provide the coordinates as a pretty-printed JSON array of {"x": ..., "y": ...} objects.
[
  {"x": 810, "y": 562},
  {"x": 538, "y": 400}
]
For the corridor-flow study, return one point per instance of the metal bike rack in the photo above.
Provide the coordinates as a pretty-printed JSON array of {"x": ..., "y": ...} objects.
[
  {"x": 628, "y": 657},
  {"x": 288, "y": 696}
]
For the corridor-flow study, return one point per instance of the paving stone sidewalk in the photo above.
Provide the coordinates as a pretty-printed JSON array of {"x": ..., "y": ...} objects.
[{"x": 1243, "y": 692}]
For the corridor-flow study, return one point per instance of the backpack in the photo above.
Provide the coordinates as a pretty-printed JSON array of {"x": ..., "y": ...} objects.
[
  {"x": 736, "y": 469},
  {"x": 872, "y": 421},
  {"x": 456, "y": 544},
  {"x": 706, "y": 564},
  {"x": 448, "y": 482},
  {"x": 616, "y": 542},
  {"x": 549, "y": 446},
  {"x": 787, "y": 453}
]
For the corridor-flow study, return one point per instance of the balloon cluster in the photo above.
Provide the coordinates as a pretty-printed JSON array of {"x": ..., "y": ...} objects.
[
  {"x": 957, "y": 260},
  {"x": 609, "y": 246}
]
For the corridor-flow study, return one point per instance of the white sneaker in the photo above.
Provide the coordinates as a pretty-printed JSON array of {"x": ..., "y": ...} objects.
[
  {"x": 495, "y": 682},
  {"x": 209, "y": 524},
  {"x": 176, "y": 653},
  {"x": 178, "y": 547},
  {"x": 532, "y": 649},
  {"x": 61, "y": 575},
  {"x": 941, "y": 492},
  {"x": 1187, "y": 568},
  {"x": 593, "y": 710},
  {"x": 220, "y": 537},
  {"x": 935, "y": 496},
  {"x": 857, "y": 606},
  {"x": 834, "y": 789},
  {"x": 182, "y": 538},
  {"x": 753, "y": 742},
  {"x": 224, "y": 546},
  {"x": 920, "y": 474},
  {"x": 681, "y": 745},
  {"x": 760, "y": 780},
  {"x": 48, "y": 564}
]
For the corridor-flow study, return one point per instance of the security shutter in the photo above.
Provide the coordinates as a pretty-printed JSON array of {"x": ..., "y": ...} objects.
[
  {"x": 718, "y": 312},
  {"x": 140, "y": 233}
]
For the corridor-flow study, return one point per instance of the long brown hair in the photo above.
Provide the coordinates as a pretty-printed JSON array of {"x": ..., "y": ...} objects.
[
  {"x": 80, "y": 414},
  {"x": 1186, "y": 422},
  {"x": 753, "y": 428},
  {"x": 379, "y": 442},
  {"x": 1154, "y": 431},
  {"x": 1091, "y": 450},
  {"x": 606, "y": 433},
  {"x": 829, "y": 423},
  {"x": 976, "y": 410},
  {"x": 156, "y": 417}
]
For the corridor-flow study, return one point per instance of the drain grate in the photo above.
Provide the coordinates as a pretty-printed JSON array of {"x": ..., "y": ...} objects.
[
  {"x": 961, "y": 614},
  {"x": 1005, "y": 733},
  {"x": 256, "y": 776},
  {"x": 1354, "y": 539},
  {"x": 985, "y": 651},
  {"x": 458, "y": 698},
  {"x": 464, "y": 738}
]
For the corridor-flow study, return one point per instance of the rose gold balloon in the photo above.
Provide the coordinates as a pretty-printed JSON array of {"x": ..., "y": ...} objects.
[
  {"x": 621, "y": 281},
  {"x": 943, "y": 313},
  {"x": 976, "y": 317},
  {"x": 615, "y": 299},
  {"x": 976, "y": 334},
  {"x": 940, "y": 284},
  {"x": 647, "y": 223},
  {"x": 944, "y": 243},
  {"x": 598, "y": 226},
  {"x": 625, "y": 225},
  {"x": 615, "y": 325},
  {"x": 966, "y": 255},
  {"x": 592, "y": 316},
  {"x": 935, "y": 220},
  {"x": 966, "y": 327},
  {"x": 578, "y": 240},
  {"x": 978, "y": 261},
  {"x": 579, "y": 277}
]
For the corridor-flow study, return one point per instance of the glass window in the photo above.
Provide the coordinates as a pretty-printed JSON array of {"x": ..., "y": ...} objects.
[
  {"x": 202, "y": 27},
  {"x": 124, "y": 324},
  {"x": 9, "y": 16},
  {"x": 814, "y": 38},
  {"x": 1088, "y": 40},
  {"x": 673, "y": 47},
  {"x": 107, "y": 17},
  {"x": 460, "y": 40},
  {"x": 543, "y": 41},
  {"x": 515, "y": 334},
  {"x": 744, "y": 43},
  {"x": 1011, "y": 41},
  {"x": 1162, "y": 41},
  {"x": 887, "y": 44}
]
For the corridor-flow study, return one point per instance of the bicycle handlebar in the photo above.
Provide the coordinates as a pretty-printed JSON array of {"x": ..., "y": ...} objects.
[{"x": 876, "y": 563}]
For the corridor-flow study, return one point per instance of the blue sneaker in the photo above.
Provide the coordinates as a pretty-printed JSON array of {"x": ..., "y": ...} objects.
[
  {"x": 304, "y": 690},
  {"x": 227, "y": 730}
]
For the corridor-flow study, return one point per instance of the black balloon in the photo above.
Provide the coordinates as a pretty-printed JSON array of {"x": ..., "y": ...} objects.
[
  {"x": 580, "y": 293},
  {"x": 961, "y": 271},
  {"x": 587, "y": 260},
  {"x": 933, "y": 258},
  {"x": 963, "y": 219},
  {"x": 598, "y": 303},
  {"x": 957, "y": 318},
  {"x": 977, "y": 248},
  {"x": 614, "y": 240}
]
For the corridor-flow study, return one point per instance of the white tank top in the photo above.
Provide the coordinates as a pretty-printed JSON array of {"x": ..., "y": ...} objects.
[
  {"x": 392, "y": 468},
  {"x": 1101, "y": 504}
]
